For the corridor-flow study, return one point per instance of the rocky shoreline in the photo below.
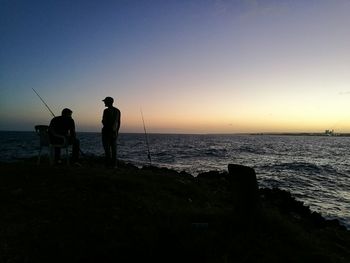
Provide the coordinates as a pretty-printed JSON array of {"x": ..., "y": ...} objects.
[{"x": 93, "y": 214}]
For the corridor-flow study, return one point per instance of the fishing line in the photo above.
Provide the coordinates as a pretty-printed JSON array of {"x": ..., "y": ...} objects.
[
  {"x": 44, "y": 102},
  {"x": 146, "y": 136},
  {"x": 47, "y": 106}
]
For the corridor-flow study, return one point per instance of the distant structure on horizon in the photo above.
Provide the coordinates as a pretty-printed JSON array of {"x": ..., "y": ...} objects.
[{"x": 329, "y": 133}]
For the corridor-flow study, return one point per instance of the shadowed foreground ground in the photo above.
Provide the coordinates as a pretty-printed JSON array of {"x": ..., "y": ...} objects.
[{"x": 92, "y": 214}]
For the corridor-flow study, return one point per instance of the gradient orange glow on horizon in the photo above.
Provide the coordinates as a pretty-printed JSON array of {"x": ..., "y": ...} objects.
[{"x": 194, "y": 67}]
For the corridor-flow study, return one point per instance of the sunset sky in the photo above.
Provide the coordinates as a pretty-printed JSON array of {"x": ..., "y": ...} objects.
[{"x": 207, "y": 66}]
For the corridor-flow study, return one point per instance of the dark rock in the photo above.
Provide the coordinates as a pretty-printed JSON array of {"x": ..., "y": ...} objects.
[
  {"x": 243, "y": 180},
  {"x": 244, "y": 187},
  {"x": 186, "y": 174},
  {"x": 287, "y": 204},
  {"x": 125, "y": 165},
  {"x": 317, "y": 219},
  {"x": 211, "y": 175},
  {"x": 17, "y": 192},
  {"x": 160, "y": 170},
  {"x": 335, "y": 223}
]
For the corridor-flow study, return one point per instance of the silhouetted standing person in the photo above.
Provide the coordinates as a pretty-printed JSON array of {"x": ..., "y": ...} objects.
[
  {"x": 64, "y": 126},
  {"x": 110, "y": 130}
]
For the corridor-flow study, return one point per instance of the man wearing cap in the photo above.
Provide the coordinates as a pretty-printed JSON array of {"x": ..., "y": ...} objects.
[
  {"x": 110, "y": 130},
  {"x": 64, "y": 126}
]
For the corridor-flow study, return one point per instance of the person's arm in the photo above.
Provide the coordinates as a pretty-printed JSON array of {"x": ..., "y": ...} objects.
[
  {"x": 52, "y": 126},
  {"x": 118, "y": 120},
  {"x": 104, "y": 118},
  {"x": 72, "y": 129},
  {"x": 54, "y": 136}
]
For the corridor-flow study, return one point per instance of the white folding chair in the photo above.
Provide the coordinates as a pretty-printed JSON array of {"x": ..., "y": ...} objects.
[{"x": 43, "y": 132}]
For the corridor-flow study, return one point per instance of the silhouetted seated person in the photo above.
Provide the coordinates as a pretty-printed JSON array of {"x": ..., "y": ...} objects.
[{"x": 64, "y": 126}]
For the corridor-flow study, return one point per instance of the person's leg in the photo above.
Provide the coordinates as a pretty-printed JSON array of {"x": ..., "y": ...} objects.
[
  {"x": 75, "y": 150},
  {"x": 57, "y": 154},
  {"x": 106, "y": 147},
  {"x": 114, "y": 151}
]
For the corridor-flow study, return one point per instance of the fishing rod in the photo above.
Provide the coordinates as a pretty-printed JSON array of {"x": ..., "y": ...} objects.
[
  {"x": 44, "y": 102},
  {"x": 47, "y": 106},
  {"x": 144, "y": 128}
]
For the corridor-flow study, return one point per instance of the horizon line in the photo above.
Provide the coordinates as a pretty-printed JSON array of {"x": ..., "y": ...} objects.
[{"x": 218, "y": 133}]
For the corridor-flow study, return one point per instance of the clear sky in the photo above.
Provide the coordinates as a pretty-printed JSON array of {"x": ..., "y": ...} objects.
[{"x": 206, "y": 66}]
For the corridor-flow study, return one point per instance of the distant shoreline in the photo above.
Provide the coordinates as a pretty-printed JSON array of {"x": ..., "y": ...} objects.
[
  {"x": 227, "y": 134},
  {"x": 304, "y": 134}
]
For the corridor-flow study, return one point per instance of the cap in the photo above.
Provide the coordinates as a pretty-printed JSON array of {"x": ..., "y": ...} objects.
[
  {"x": 66, "y": 112},
  {"x": 108, "y": 99}
]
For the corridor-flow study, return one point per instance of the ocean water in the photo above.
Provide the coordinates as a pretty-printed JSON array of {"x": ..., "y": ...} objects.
[{"x": 315, "y": 169}]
